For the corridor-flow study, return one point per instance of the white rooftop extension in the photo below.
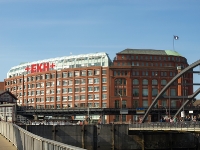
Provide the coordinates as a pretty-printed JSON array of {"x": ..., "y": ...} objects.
[{"x": 73, "y": 61}]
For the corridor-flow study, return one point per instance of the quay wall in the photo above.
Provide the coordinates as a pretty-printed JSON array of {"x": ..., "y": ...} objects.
[{"x": 115, "y": 137}]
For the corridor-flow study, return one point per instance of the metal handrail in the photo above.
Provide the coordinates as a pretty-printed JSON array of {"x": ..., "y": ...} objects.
[
  {"x": 25, "y": 140},
  {"x": 189, "y": 126}
]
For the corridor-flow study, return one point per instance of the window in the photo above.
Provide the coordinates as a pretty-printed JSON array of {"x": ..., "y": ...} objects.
[
  {"x": 64, "y": 74},
  {"x": 104, "y": 88},
  {"x": 96, "y": 89},
  {"x": 104, "y": 80},
  {"x": 135, "y": 81},
  {"x": 64, "y": 98},
  {"x": 123, "y": 104},
  {"x": 96, "y": 105},
  {"x": 82, "y": 97},
  {"x": 69, "y": 98},
  {"x": 145, "y": 103},
  {"x": 104, "y": 96},
  {"x": 89, "y": 72},
  {"x": 96, "y": 96},
  {"x": 77, "y": 81},
  {"x": 145, "y": 82},
  {"x": 82, "y": 89},
  {"x": 96, "y": 72},
  {"x": 90, "y": 89},
  {"x": 117, "y": 104},
  {"x": 65, "y": 82},
  {"x": 82, "y": 81},
  {"x": 154, "y": 92},
  {"x": 76, "y": 89},
  {"x": 96, "y": 80},
  {"x": 70, "y": 82},
  {"x": 104, "y": 72},
  {"x": 76, "y": 73},
  {"x": 70, "y": 74},
  {"x": 154, "y": 82},
  {"x": 104, "y": 105},
  {"x": 163, "y": 82},
  {"x": 144, "y": 92},
  {"x": 83, "y": 73},
  {"x": 70, "y": 90},
  {"x": 90, "y": 97},
  {"x": 90, "y": 80},
  {"x": 77, "y": 97},
  {"x": 173, "y": 92},
  {"x": 135, "y": 92},
  {"x": 64, "y": 90},
  {"x": 58, "y": 98}
]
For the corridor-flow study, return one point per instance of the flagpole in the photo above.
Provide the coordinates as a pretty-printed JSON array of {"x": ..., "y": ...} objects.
[{"x": 173, "y": 42}]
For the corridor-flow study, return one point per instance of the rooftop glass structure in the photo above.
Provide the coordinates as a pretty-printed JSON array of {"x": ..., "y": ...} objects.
[{"x": 73, "y": 61}]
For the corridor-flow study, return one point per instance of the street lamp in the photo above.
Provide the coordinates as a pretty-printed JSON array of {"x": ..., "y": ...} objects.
[
  {"x": 165, "y": 108},
  {"x": 121, "y": 106}
]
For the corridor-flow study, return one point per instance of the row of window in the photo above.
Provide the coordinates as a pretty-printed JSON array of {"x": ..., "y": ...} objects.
[
  {"x": 59, "y": 75},
  {"x": 147, "y": 57},
  {"x": 148, "y": 64},
  {"x": 81, "y": 105},
  {"x": 59, "y": 83},
  {"x": 145, "y": 73}
]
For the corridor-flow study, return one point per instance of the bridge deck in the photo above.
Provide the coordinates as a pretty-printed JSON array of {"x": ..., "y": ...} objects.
[
  {"x": 166, "y": 126},
  {"x": 5, "y": 144}
]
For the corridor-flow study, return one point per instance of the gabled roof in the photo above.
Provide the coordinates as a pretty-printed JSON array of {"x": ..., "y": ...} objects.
[
  {"x": 3, "y": 92},
  {"x": 149, "y": 52}
]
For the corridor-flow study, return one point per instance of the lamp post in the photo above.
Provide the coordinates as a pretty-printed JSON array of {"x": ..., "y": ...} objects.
[
  {"x": 165, "y": 108},
  {"x": 121, "y": 106}
]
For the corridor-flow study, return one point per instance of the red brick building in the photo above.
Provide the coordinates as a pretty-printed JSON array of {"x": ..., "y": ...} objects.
[
  {"x": 132, "y": 80},
  {"x": 138, "y": 75},
  {"x": 1, "y": 86}
]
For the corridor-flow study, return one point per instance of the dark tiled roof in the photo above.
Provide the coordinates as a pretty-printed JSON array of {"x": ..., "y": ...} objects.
[{"x": 149, "y": 52}]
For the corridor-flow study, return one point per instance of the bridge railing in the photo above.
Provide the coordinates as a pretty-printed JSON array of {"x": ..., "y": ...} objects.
[
  {"x": 185, "y": 126},
  {"x": 25, "y": 140}
]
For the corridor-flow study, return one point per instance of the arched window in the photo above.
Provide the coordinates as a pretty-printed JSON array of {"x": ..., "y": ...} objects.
[
  {"x": 145, "y": 82},
  {"x": 120, "y": 87},
  {"x": 163, "y": 82},
  {"x": 154, "y": 82},
  {"x": 135, "y": 82}
]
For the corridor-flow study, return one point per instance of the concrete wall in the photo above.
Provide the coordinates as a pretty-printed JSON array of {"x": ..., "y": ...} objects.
[{"x": 115, "y": 137}]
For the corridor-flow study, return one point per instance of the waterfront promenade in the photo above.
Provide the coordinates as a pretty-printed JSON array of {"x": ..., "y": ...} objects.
[{"x": 5, "y": 144}]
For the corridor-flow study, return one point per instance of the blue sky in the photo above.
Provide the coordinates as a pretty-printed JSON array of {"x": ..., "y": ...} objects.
[{"x": 31, "y": 30}]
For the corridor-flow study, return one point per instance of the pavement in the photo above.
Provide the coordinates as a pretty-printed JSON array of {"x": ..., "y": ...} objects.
[{"x": 5, "y": 144}]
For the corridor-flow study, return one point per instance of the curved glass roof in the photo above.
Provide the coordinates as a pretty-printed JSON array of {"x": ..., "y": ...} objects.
[{"x": 59, "y": 63}]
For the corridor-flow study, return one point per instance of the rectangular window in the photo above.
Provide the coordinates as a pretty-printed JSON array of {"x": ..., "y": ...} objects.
[
  {"x": 96, "y": 89},
  {"x": 104, "y": 88},
  {"x": 96, "y": 72},
  {"x": 104, "y": 80},
  {"x": 82, "y": 89},
  {"x": 70, "y": 90},
  {"x": 90, "y": 89},
  {"x": 144, "y": 92},
  {"x": 77, "y": 97},
  {"x": 104, "y": 96},
  {"x": 96, "y": 80},
  {"x": 64, "y": 74},
  {"x": 77, "y": 73},
  {"x": 82, "y": 97},
  {"x": 90, "y": 80},
  {"x": 64, "y": 90},
  {"x": 83, "y": 73},
  {"x": 90, "y": 97},
  {"x": 145, "y": 103},
  {"x": 104, "y": 72}
]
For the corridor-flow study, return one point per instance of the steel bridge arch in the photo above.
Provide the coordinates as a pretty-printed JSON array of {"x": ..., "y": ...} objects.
[
  {"x": 189, "y": 99},
  {"x": 193, "y": 65}
]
